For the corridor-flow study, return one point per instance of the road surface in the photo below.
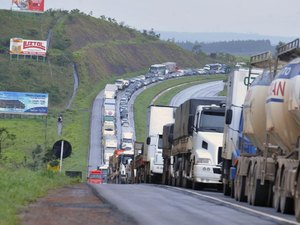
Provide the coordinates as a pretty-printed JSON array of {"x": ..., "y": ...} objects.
[
  {"x": 163, "y": 205},
  {"x": 200, "y": 90}
]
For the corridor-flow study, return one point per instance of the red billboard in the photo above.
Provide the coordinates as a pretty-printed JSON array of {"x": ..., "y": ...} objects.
[
  {"x": 19, "y": 46},
  {"x": 28, "y": 5}
]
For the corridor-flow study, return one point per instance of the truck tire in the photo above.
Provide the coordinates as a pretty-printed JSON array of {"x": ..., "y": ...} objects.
[
  {"x": 297, "y": 199},
  {"x": 194, "y": 185},
  {"x": 249, "y": 184},
  {"x": 259, "y": 192},
  {"x": 225, "y": 177},
  {"x": 239, "y": 189},
  {"x": 226, "y": 188},
  {"x": 276, "y": 192},
  {"x": 286, "y": 203}
]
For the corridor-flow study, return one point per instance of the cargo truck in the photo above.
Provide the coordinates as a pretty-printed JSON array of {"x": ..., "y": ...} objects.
[
  {"x": 171, "y": 67},
  {"x": 197, "y": 143},
  {"x": 119, "y": 164},
  {"x": 110, "y": 144},
  {"x": 109, "y": 110},
  {"x": 110, "y": 91},
  {"x": 168, "y": 130},
  {"x": 137, "y": 163},
  {"x": 237, "y": 84},
  {"x": 108, "y": 128},
  {"x": 95, "y": 177},
  {"x": 127, "y": 140},
  {"x": 156, "y": 70},
  {"x": 149, "y": 165}
]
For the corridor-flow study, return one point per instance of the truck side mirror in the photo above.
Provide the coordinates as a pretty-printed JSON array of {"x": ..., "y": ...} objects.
[
  {"x": 228, "y": 118},
  {"x": 148, "y": 141}
]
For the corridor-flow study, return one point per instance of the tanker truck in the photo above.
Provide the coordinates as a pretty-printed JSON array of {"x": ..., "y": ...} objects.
[{"x": 272, "y": 123}]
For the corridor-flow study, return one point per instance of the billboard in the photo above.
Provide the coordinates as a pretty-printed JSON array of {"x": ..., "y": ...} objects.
[
  {"x": 19, "y": 46},
  {"x": 23, "y": 103},
  {"x": 28, "y": 5}
]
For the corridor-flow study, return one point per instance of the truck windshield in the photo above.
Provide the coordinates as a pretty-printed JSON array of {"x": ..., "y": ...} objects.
[
  {"x": 125, "y": 159},
  {"x": 212, "y": 121},
  {"x": 157, "y": 70},
  {"x": 127, "y": 140},
  {"x": 95, "y": 176}
]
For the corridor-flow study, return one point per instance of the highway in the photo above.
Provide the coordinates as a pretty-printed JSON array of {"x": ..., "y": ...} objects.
[
  {"x": 201, "y": 90},
  {"x": 95, "y": 153},
  {"x": 149, "y": 204}
]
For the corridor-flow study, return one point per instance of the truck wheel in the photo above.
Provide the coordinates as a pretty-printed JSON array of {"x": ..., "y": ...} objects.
[
  {"x": 186, "y": 183},
  {"x": 240, "y": 193},
  {"x": 286, "y": 203},
  {"x": 259, "y": 192},
  {"x": 173, "y": 183},
  {"x": 276, "y": 193},
  {"x": 249, "y": 183},
  {"x": 297, "y": 199},
  {"x": 194, "y": 185},
  {"x": 226, "y": 188}
]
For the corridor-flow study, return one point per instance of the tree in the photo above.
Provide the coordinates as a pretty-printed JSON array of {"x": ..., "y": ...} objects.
[
  {"x": 6, "y": 139},
  {"x": 197, "y": 49},
  {"x": 102, "y": 17},
  {"x": 279, "y": 45}
]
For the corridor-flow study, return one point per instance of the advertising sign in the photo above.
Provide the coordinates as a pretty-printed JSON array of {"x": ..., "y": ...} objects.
[
  {"x": 23, "y": 103},
  {"x": 28, "y": 5},
  {"x": 19, "y": 46}
]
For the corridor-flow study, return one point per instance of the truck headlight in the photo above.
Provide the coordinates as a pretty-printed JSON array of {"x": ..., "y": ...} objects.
[{"x": 203, "y": 161}]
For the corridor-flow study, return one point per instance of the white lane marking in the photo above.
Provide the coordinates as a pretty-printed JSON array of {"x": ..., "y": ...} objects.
[{"x": 238, "y": 206}]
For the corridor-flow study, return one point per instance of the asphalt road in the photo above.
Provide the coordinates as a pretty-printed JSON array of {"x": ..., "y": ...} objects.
[
  {"x": 163, "y": 205},
  {"x": 201, "y": 90},
  {"x": 95, "y": 153}
]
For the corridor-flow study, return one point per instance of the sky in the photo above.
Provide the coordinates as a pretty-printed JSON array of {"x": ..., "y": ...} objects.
[{"x": 266, "y": 17}]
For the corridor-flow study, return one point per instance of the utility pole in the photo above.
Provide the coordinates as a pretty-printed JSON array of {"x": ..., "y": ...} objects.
[{"x": 59, "y": 131}]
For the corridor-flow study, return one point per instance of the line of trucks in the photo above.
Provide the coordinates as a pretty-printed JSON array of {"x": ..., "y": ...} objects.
[
  {"x": 110, "y": 144},
  {"x": 120, "y": 159},
  {"x": 247, "y": 143}
]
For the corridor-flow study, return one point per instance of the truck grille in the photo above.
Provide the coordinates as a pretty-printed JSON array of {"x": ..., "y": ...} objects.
[{"x": 217, "y": 170}]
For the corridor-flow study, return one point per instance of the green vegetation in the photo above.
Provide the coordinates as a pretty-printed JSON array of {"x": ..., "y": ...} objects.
[
  {"x": 21, "y": 187},
  {"x": 144, "y": 100}
]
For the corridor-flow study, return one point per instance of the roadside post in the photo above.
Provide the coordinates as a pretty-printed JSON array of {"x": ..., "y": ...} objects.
[{"x": 59, "y": 131}]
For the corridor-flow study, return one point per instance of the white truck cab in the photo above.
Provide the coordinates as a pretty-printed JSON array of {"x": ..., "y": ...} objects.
[{"x": 207, "y": 144}]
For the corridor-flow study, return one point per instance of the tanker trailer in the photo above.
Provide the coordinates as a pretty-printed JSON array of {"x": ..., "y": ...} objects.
[
  {"x": 255, "y": 172},
  {"x": 273, "y": 174},
  {"x": 283, "y": 124}
]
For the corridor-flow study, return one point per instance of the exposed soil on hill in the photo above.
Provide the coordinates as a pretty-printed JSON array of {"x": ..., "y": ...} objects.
[{"x": 73, "y": 205}]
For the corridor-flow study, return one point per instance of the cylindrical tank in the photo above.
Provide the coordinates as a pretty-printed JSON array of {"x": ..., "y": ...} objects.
[
  {"x": 254, "y": 111},
  {"x": 282, "y": 106}
]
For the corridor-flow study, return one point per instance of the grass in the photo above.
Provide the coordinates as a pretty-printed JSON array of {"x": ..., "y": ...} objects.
[
  {"x": 21, "y": 187},
  {"x": 25, "y": 185},
  {"x": 144, "y": 100}
]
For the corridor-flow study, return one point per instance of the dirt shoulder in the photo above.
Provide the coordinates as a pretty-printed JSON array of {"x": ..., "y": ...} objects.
[{"x": 73, "y": 205}]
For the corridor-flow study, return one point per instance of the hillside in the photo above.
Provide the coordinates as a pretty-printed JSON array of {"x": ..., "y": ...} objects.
[
  {"x": 99, "y": 47},
  {"x": 102, "y": 50}
]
